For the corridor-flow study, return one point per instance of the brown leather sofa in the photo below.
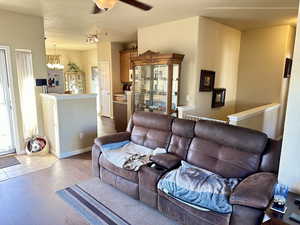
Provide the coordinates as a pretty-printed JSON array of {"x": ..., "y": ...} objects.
[{"x": 227, "y": 150}]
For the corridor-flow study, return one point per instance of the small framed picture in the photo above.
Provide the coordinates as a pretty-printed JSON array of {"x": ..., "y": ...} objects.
[
  {"x": 207, "y": 80},
  {"x": 288, "y": 68},
  {"x": 218, "y": 98},
  {"x": 95, "y": 72}
]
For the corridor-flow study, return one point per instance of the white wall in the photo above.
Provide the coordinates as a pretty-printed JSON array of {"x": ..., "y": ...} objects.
[
  {"x": 263, "y": 118},
  {"x": 66, "y": 137},
  {"x": 20, "y": 31},
  {"x": 175, "y": 37},
  {"x": 289, "y": 172},
  {"x": 206, "y": 45},
  {"x": 110, "y": 52}
]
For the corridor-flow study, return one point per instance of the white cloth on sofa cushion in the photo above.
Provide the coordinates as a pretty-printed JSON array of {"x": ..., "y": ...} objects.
[{"x": 119, "y": 156}]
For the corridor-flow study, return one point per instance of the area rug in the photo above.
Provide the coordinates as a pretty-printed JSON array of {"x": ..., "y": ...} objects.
[
  {"x": 102, "y": 204},
  {"x": 8, "y": 161}
]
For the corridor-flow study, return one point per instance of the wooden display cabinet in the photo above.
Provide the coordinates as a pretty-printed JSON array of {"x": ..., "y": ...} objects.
[{"x": 156, "y": 81}]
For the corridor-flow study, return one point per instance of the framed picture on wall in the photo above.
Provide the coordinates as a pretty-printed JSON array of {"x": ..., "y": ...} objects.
[
  {"x": 95, "y": 72},
  {"x": 207, "y": 80},
  {"x": 288, "y": 68},
  {"x": 218, "y": 97}
]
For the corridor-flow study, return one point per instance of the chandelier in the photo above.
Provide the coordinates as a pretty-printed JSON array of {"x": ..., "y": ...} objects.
[{"x": 53, "y": 62}]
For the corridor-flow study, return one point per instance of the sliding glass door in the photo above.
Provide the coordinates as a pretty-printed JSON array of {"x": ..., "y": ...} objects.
[{"x": 6, "y": 127}]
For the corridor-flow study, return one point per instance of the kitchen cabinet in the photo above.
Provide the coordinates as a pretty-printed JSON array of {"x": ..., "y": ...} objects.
[{"x": 126, "y": 65}]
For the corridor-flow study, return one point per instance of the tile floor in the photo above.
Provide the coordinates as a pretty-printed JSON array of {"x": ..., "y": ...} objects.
[
  {"x": 31, "y": 199},
  {"x": 28, "y": 164},
  {"x": 31, "y": 164}
]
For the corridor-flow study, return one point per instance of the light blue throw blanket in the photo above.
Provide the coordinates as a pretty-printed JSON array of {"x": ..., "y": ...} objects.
[
  {"x": 115, "y": 145},
  {"x": 199, "y": 187}
]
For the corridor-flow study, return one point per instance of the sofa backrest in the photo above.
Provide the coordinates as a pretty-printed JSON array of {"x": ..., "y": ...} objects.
[
  {"x": 151, "y": 130},
  {"x": 182, "y": 135},
  {"x": 227, "y": 150},
  {"x": 271, "y": 157}
]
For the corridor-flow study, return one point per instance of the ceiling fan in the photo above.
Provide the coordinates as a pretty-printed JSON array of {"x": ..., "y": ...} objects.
[{"x": 105, "y": 5}]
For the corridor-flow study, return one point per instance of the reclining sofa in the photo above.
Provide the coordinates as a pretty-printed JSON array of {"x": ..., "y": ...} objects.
[{"x": 223, "y": 149}]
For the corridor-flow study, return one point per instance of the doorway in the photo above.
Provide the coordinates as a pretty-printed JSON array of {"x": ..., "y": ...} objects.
[
  {"x": 105, "y": 89},
  {"x": 7, "y": 142}
]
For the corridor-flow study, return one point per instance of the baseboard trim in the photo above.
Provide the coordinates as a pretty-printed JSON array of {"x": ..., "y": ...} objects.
[{"x": 72, "y": 153}]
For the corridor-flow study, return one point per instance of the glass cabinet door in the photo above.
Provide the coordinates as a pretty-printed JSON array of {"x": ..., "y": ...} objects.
[
  {"x": 142, "y": 85},
  {"x": 151, "y": 88},
  {"x": 160, "y": 88},
  {"x": 175, "y": 87}
]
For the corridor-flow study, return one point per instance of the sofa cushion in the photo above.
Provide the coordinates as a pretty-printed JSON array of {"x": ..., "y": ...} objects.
[
  {"x": 124, "y": 151},
  {"x": 129, "y": 175},
  {"x": 182, "y": 134},
  {"x": 151, "y": 130},
  {"x": 199, "y": 187},
  {"x": 226, "y": 150},
  {"x": 168, "y": 160},
  {"x": 186, "y": 214}
]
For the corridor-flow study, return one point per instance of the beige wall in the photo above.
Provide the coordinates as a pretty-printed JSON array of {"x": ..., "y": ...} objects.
[
  {"x": 84, "y": 59},
  {"x": 261, "y": 66},
  {"x": 24, "y": 32},
  {"x": 206, "y": 45},
  {"x": 289, "y": 172},
  {"x": 218, "y": 50},
  {"x": 83, "y": 111},
  {"x": 67, "y": 56},
  {"x": 261, "y": 69},
  {"x": 89, "y": 59}
]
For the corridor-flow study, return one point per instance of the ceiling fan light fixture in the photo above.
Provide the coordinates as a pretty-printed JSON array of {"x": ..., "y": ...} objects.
[
  {"x": 105, "y": 4},
  {"x": 92, "y": 38}
]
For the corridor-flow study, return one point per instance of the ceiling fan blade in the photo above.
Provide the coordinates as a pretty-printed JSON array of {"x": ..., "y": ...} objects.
[
  {"x": 96, "y": 9},
  {"x": 137, "y": 4}
]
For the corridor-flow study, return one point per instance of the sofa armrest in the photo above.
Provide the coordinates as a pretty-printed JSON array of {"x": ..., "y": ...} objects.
[
  {"x": 166, "y": 160},
  {"x": 118, "y": 137},
  {"x": 255, "y": 191}
]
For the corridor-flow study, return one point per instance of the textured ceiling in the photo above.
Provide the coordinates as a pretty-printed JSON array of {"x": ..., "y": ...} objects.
[{"x": 67, "y": 22}]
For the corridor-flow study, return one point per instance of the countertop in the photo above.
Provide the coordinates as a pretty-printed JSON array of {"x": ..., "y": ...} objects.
[
  {"x": 68, "y": 96},
  {"x": 120, "y": 102}
]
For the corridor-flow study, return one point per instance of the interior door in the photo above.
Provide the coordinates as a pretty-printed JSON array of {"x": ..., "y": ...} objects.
[
  {"x": 105, "y": 89},
  {"x": 6, "y": 132}
]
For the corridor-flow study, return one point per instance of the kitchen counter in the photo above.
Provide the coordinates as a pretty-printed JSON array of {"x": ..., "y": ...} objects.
[
  {"x": 69, "y": 96},
  {"x": 120, "y": 102}
]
